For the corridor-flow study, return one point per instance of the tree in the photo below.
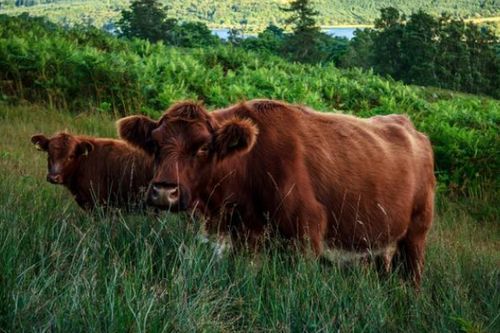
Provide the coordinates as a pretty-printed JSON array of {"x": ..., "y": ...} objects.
[
  {"x": 468, "y": 60},
  {"x": 418, "y": 49},
  {"x": 303, "y": 44},
  {"x": 387, "y": 43},
  {"x": 273, "y": 31},
  {"x": 389, "y": 17},
  {"x": 193, "y": 34},
  {"x": 359, "y": 52},
  {"x": 269, "y": 41},
  {"x": 485, "y": 58},
  {"x": 146, "y": 19},
  {"x": 235, "y": 36},
  {"x": 332, "y": 49},
  {"x": 303, "y": 16},
  {"x": 454, "y": 58}
]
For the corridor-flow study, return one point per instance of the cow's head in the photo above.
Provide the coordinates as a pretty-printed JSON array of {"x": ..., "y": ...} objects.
[
  {"x": 64, "y": 153},
  {"x": 188, "y": 144}
]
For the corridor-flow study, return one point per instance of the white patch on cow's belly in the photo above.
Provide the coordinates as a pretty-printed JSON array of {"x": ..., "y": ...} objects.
[
  {"x": 219, "y": 246},
  {"x": 342, "y": 256}
]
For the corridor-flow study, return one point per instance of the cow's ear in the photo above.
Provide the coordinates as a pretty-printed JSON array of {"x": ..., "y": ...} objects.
[
  {"x": 235, "y": 136},
  {"x": 137, "y": 131},
  {"x": 84, "y": 148},
  {"x": 40, "y": 141}
]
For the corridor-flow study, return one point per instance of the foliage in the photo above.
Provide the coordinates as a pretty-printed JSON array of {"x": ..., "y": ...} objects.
[
  {"x": 88, "y": 69},
  {"x": 192, "y": 34},
  {"x": 387, "y": 44},
  {"x": 359, "y": 51},
  {"x": 425, "y": 50},
  {"x": 303, "y": 44},
  {"x": 270, "y": 40},
  {"x": 64, "y": 270},
  {"x": 232, "y": 13},
  {"x": 145, "y": 19},
  {"x": 307, "y": 45},
  {"x": 235, "y": 36}
]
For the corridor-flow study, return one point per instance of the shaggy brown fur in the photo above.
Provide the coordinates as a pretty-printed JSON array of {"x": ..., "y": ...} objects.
[
  {"x": 97, "y": 170},
  {"x": 355, "y": 184}
]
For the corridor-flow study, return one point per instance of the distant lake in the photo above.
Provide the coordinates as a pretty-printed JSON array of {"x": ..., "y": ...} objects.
[
  {"x": 337, "y": 32},
  {"x": 341, "y": 32}
]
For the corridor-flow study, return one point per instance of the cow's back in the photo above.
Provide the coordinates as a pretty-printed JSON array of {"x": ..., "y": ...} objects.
[
  {"x": 114, "y": 173},
  {"x": 367, "y": 173}
]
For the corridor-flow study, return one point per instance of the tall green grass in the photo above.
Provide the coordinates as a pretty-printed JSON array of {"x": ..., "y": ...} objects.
[{"x": 63, "y": 270}]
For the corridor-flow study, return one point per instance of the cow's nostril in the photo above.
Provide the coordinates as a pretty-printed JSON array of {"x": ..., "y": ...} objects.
[
  {"x": 54, "y": 179},
  {"x": 173, "y": 194},
  {"x": 155, "y": 192}
]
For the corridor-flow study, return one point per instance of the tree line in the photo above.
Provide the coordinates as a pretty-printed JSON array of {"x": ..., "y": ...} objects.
[
  {"x": 420, "y": 49},
  {"x": 430, "y": 51},
  {"x": 246, "y": 13},
  {"x": 307, "y": 43}
]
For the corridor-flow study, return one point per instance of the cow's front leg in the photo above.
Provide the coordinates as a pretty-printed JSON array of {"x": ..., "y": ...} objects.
[{"x": 312, "y": 227}]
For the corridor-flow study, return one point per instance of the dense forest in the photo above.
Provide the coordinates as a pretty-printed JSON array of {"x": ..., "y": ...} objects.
[
  {"x": 426, "y": 50},
  {"x": 246, "y": 14}
]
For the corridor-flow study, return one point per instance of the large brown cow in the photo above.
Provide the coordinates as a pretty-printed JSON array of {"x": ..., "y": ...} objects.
[
  {"x": 356, "y": 184},
  {"x": 100, "y": 171}
]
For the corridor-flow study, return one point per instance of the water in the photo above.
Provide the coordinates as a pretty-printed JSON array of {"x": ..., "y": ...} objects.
[
  {"x": 221, "y": 33},
  {"x": 337, "y": 32},
  {"x": 341, "y": 32}
]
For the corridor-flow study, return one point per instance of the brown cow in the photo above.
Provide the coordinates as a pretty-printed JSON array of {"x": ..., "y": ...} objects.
[
  {"x": 361, "y": 185},
  {"x": 97, "y": 170}
]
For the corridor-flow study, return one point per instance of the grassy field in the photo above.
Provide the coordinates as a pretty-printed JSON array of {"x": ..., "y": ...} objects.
[{"x": 63, "y": 270}]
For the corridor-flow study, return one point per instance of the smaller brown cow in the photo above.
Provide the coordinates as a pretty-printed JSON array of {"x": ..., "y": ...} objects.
[
  {"x": 340, "y": 182},
  {"x": 99, "y": 171}
]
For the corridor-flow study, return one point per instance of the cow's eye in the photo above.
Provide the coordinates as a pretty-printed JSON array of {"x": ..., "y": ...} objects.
[
  {"x": 202, "y": 151},
  {"x": 152, "y": 146},
  {"x": 71, "y": 157}
]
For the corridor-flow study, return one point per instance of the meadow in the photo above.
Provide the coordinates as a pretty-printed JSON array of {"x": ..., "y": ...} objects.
[{"x": 65, "y": 270}]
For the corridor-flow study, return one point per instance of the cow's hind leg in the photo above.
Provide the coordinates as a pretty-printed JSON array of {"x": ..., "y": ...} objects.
[
  {"x": 301, "y": 216},
  {"x": 412, "y": 246},
  {"x": 383, "y": 261}
]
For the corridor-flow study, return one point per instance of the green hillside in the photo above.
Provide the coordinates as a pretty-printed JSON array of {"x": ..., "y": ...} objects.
[
  {"x": 65, "y": 270},
  {"x": 86, "y": 69},
  {"x": 247, "y": 13}
]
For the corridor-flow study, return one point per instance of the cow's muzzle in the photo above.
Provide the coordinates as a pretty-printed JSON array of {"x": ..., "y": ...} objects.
[
  {"x": 173, "y": 197},
  {"x": 55, "y": 178}
]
